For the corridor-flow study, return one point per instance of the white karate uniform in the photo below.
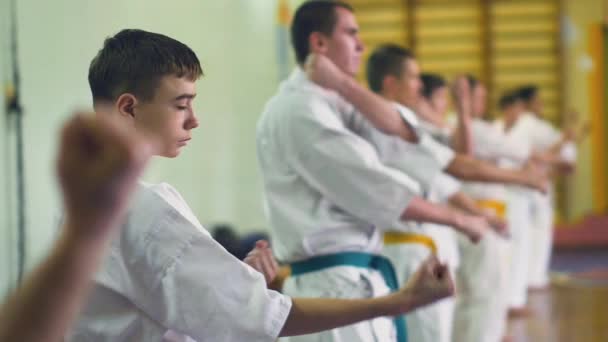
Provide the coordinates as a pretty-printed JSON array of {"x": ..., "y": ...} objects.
[
  {"x": 519, "y": 216},
  {"x": 443, "y": 134},
  {"x": 432, "y": 322},
  {"x": 326, "y": 191},
  {"x": 435, "y": 322},
  {"x": 542, "y": 136},
  {"x": 165, "y": 279},
  {"x": 483, "y": 276},
  {"x": 423, "y": 161}
]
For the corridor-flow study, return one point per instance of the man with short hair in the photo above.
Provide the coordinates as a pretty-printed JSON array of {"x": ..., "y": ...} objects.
[{"x": 328, "y": 194}]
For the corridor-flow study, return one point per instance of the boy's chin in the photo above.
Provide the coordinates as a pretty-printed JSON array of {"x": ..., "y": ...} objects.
[{"x": 171, "y": 154}]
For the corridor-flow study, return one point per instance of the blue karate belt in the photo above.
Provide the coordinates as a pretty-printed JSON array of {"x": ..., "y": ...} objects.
[{"x": 356, "y": 259}]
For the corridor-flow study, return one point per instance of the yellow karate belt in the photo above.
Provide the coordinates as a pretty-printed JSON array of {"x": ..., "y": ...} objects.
[
  {"x": 498, "y": 207},
  {"x": 396, "y": 238}
]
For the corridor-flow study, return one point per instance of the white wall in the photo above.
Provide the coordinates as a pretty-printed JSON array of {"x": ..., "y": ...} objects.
[
  {"x": 217, "y": 174},
  {"x": 7, "y": 263}
]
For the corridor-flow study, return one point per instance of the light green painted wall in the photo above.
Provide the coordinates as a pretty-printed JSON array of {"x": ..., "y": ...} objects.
[
  {"x": 217, "y": 174},
  {"x": 7, "y": 268}
]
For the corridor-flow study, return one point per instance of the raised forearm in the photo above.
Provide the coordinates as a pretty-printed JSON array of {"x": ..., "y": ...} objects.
[
  {"x": 376, "y": 109},
  {"x": 423, "y": 211},
  {"x": 426, "y": 113},
  {"x": 461, "y": 90},
  {"x": 465, "y": 203},
  {"x": 463, "y": 141},
  {"x": 51, "y": 296},
  {"x": 470, "y": 169}
]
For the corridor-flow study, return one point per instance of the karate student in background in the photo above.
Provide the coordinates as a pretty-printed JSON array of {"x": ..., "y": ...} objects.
[
  {"x": 329, "y": 196},
  {"x": 393, "y": 72},
  {"x": 556, "y": 151},
  {"x": 519, "y": 204},
  {"x": 482, "y": 306},
  {"x": 432, "y": 108},
  {"x": 425, "y": 161}
]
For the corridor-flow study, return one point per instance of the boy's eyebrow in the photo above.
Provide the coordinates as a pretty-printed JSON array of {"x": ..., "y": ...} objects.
[
  {"x": 184, "y": 96},
  {"x": 352, "y": 30}
]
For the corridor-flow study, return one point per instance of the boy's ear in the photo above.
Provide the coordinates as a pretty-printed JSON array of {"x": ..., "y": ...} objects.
[
  {"x": 317, "y": 42},
  {"x": 126, "y": 104},
  {"x": 388, "y": 83}
]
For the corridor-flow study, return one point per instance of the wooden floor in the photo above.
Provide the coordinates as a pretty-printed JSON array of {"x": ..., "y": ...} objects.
[{"x": 567, "y": 312}]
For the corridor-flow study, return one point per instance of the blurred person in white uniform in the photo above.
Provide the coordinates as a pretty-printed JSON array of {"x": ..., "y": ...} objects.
[
  {"x": 519, "y": 204},
  {"x": 481, "y": 314},
  {"x": 393, "y": 72},
  {"x": 328, "y": 195},
  {"x": 425, "y": 161},
  {"x": 556, "y": 151},
  {"x": 483, "y": 272}
]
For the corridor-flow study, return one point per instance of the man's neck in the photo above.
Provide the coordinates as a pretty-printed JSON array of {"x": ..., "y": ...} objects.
[
  {"x": 395, "y": 99},
  {"x": 388, "y": 96},
  {"x": 510, "y": 120}
]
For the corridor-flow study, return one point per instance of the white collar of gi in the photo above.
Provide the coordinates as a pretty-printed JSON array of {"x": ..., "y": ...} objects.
[
  {"x": 299, "y": 79},
  {"x": 407, "y": 115},
  {"x": 529, "y": 115}
]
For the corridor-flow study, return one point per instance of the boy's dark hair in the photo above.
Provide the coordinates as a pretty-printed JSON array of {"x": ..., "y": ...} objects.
[
  {"x": 313, "y": 16},
  {"x": 528, "y": 92},
  {"x": 386, "y": 60},
  {"x": 430, "y": 83},
  {"x": 508, "y": 99},
  {"x": 473, "y": 81},
  {"x": 134, "y": 61}
]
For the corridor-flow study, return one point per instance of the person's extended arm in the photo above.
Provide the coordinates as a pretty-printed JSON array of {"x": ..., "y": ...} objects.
[
  {"x": 376, "y": 109},
  {"x": 462, "y": 137},
  {"x": 430, "y": 283},
  {"x": 471, "y": 169},
  {"x": 467, "y": 204},
  {"x": 426, "y": 113},
  {"x": 423, "y": 211},
  {"x": 51, "y": 296}
]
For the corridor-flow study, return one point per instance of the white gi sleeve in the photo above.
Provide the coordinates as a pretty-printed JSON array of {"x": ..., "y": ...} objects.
[
  {"x": 343, "y": 166},
  {"x": 180, "y": 277},
  {"x": 394, "y": 152},
  {"x": 443, "y": 154},
  {"x": 444, "y": 187},
  {"x": 491, "y": 144},
  {"x": 543, "y": 135}
]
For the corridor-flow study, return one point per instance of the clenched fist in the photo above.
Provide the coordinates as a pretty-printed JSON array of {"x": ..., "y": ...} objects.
[
  {"x": 431, "y": 282},
  {"x": 261, "y": 259},
  {"x": 98, "y": 166}
]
